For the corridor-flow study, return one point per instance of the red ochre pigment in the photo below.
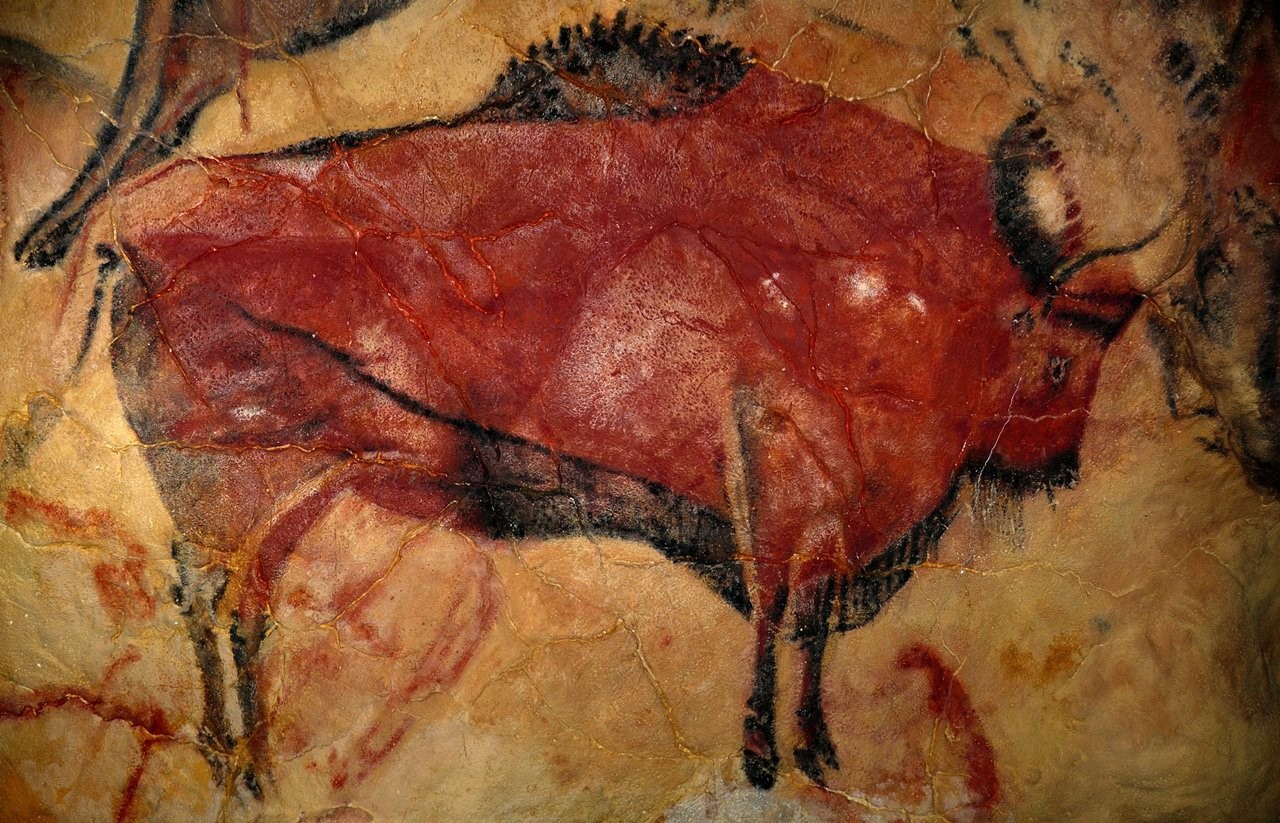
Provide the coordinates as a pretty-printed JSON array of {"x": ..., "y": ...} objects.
[
  {"x": 788, "y": 310},
  {"x": 949, "y": 702},
  {"x": 122, "y": 586},
  {"x": 602, "y": 287}
]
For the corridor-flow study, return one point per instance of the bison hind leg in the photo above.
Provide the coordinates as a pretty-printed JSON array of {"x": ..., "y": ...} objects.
[
  {"x": 202, "y": 582},
  {"x": 197, "y": 593}
]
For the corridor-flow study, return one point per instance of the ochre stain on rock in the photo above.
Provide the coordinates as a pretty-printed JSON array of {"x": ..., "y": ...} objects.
[
  {"x": 121, "y": 584},
  {"x": 1062, "y": 656}
]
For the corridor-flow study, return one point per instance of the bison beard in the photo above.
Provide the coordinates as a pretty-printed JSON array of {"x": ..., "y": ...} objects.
[{"x": 695, "y": 303}]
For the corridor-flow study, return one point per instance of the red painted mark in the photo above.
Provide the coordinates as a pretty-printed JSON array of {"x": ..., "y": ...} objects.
[
  {"x": 130, "y": 793},
  {"x": 471, "y": 612},
  {"x": 130, "y": 656},
  {"x": 456, "y": 644},
  {"x": 122, "y": 590},
  {"x": 369, "y": 755},
  {"x": 22, "y": 507},
  {"x": 122, "y": 586},
  {"x": 949, "y": 700},
  {"x": 149, "y": 720}
]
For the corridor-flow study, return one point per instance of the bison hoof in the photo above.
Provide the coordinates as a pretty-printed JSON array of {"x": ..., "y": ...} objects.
[
  {"x": 759, "y": 754},
  {"x": 41, "y": 249},
  {"x": 250, "y": 783},
  {"x": 819, "y": 752},
  {"x": 215, "y": 749},
  {"x": 811, "y": 761},
  {"x": 761, "y": 771}
]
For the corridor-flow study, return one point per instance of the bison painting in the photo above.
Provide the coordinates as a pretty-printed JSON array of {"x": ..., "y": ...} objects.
[{"x": 647, "y": 288}]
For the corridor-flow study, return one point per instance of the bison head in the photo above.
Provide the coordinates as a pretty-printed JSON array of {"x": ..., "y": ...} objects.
[{"x": 1175, "y": 200}]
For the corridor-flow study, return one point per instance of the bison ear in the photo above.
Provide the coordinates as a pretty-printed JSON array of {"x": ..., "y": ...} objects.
[{"x": 1036, "y": 212}]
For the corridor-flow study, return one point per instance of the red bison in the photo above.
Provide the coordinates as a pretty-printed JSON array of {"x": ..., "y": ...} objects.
[{"x": 645, "y": 289}]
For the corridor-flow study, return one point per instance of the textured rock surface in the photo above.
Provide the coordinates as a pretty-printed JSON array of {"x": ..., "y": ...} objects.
[{"x": 1098, "y": 652}]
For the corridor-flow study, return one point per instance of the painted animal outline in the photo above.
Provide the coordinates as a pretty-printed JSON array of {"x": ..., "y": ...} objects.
[{"x": 500, "y": 475}]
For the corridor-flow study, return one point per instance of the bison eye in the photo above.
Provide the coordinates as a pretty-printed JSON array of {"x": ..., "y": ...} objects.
[
  {"x": 1024, "y": 321},
  {"x": 1059, "y": 370}
]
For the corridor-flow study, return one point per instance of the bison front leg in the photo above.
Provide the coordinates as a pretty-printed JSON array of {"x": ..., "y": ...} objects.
[
  {"x": 782, "y": 494},
  {"x": 814, "y": 599},
  {"x": 744, "y": 438},
  {"x": 759, "y": 742},
  {"x": 248, "y": 630}
]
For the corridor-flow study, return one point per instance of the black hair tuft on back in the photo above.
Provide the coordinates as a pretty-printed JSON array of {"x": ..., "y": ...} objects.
[{"x": 613, "y": 69}]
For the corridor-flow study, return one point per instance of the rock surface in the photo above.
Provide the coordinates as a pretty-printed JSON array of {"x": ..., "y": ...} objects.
[{"x": 1099, "y": 652}]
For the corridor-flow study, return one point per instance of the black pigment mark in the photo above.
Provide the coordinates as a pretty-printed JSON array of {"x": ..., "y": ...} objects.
[
  {"x": 849, "y": 24},
  {"x": 814, "y": 607},
  {"x": 1006, "y": 37},
  {"x": 1022, "y": 149},
  {"x": 760, "y": 749},
  {"x": 1214, "y": 446},
  {"x": 1092, "y": 71},
  {"x": 1213, "y": 302},
  {"x": 1104, "y": 327},
  {"x": 863, "y": 595},
  {"x": 1162, "y": 341},
  {"x": 347, "y": 21},
  {"x": 525, "y": 489},
  {"x": 606, "y": 69},
  {"x": 1179, "y": 62},
  {"x": 618, "y": 69},
  {"x": 109, "y": 261}
]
